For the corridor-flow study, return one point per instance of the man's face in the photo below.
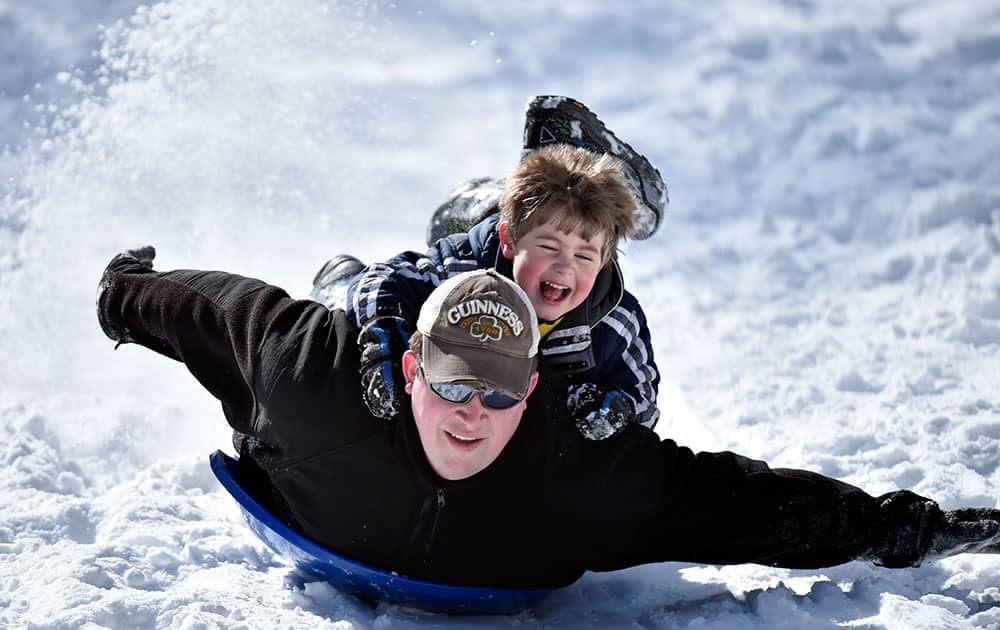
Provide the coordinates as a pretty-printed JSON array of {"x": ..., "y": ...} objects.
[
  {"x": 557, "y": 270},
  {"x": 459, "y": 439}
]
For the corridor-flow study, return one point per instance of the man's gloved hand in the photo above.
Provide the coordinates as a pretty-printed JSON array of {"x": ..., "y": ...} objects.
[
  {"x": 144, "y": 255},
  {"x": 915, "y": 530},
  {"x": 599, "y": 412},
  {"x": 966, "y": 530},
  {"x": 382, "y": 342}
]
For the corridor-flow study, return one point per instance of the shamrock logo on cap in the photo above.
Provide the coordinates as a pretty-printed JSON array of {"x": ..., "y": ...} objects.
[{"x": 486, "y": 329}]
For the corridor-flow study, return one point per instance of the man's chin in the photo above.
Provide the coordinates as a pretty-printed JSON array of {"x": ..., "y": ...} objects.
[
  {"x": 457, "y": 472},
  {"x": 459, "y": 464}
]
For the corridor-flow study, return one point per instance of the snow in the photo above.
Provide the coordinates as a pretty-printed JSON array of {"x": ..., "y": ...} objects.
[{"x": 825, "y": 292}]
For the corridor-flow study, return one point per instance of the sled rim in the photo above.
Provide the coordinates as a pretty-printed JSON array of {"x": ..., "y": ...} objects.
[{"x": 357, "y": 577}]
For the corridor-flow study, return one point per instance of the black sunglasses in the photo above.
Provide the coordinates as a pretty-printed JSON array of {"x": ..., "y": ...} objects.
[{"x": 460, "y": 394}]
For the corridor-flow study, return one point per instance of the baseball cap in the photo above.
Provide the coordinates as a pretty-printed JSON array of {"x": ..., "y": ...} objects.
[{"x": 480, "y": 329}]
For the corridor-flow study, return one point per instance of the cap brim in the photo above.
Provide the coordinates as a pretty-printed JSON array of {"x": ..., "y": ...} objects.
[{"x": 445, "y": 362}]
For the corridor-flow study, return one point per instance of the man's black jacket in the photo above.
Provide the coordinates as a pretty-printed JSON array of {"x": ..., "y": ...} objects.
[{"x": 552, "y": 505}]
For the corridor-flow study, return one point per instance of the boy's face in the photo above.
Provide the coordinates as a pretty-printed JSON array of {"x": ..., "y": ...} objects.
[{"x": 556, "y": 270}]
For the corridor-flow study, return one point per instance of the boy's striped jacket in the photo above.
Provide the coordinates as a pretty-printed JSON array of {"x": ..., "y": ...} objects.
[{"x": 605, "y": 340}]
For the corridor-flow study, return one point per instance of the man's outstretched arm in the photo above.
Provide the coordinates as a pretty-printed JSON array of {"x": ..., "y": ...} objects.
[
  {"x": 735, "y": 510},
  {"x": 723, "y": 508},
  {"x": 212, "y": 321}
]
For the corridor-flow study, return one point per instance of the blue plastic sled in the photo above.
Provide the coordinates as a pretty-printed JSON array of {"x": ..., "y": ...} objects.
[{"x": 360, "y": 579}]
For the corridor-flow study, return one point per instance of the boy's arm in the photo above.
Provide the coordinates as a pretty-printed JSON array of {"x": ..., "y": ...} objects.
[
  {"x": 385, "y": 303},
  {"x": 399, "y": 286},
  {"x": 629, "y": 375}
]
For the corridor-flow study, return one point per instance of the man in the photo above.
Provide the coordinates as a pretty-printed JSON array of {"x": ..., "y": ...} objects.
[{"x": 472, "y": 485}]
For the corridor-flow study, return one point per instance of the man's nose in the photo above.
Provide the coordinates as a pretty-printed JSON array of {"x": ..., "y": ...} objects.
[{"x": 474, "y": 411}]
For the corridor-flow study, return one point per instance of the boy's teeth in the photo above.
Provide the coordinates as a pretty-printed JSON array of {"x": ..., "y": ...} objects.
[
  {"x": 462, "y": 437},
  {"x": 553, "y": 293}
]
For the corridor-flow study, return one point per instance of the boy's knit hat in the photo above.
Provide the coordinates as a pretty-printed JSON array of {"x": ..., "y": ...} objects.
[{"x": 480, "y": 329}]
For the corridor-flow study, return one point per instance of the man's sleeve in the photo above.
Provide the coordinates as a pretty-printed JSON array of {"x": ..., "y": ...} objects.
[
  {"x": 722, "y": 508},
  {"x": 729, "y": 510},
  {"x": 212, "y": 321}
]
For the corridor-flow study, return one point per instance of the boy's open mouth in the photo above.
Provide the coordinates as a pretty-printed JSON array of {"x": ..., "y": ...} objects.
[{"x": 553, "y": 293}]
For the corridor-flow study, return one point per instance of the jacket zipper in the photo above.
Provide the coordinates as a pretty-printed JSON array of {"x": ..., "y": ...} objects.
[{"x": 437, "y": 517}]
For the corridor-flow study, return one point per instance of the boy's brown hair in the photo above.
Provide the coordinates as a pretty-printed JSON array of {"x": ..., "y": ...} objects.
[{"x": 581, "y": 190}]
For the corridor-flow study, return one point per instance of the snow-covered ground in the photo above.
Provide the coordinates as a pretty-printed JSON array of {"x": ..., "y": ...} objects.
[{"x": 824, "y": 294}]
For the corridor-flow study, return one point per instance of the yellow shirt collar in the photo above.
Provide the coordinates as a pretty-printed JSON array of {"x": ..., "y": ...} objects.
[{"x": 544, "y": 328}]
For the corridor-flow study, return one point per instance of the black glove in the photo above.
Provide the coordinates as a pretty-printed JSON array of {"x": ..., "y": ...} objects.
[
  {"x": 967, "y": 530},
  {"x": 914, "y": 529},
  {"x": 599, "y": 412},
  {"x": 144, "y": 255},
  {"x": 382, "y": 342}
]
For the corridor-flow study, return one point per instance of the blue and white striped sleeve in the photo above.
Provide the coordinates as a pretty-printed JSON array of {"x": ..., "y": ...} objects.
[
  {"x": 634, "y": 372},
  {"x": 399, "y": 286}
]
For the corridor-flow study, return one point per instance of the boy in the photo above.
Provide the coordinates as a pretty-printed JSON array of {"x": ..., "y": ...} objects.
[{"x": 562, "y": 214}]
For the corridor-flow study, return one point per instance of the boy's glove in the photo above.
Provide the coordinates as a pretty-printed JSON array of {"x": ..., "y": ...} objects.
[
  {"x": 599, "y": 412},
  {"x": 382, "y": 342}
]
